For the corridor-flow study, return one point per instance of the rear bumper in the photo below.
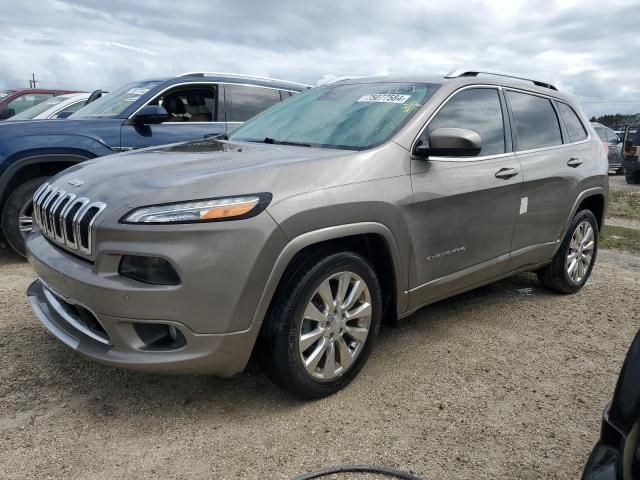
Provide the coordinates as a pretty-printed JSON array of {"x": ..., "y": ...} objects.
[{"x": 117, "y": 344}]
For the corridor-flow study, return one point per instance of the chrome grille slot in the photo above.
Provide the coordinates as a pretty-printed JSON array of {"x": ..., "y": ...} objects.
[{"x": 65, "y": 219}]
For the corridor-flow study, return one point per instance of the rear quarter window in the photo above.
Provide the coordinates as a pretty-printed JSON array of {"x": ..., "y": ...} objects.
[
  {"x": 572, "y": 123},
  {"x": 536, "y": 122}
]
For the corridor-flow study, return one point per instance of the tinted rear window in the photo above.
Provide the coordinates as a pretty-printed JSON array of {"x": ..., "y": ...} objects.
[
  {"x": 536, "y": 122},
  {"x": 574, "y": 126},
  {"x": 245, "y": 102}
]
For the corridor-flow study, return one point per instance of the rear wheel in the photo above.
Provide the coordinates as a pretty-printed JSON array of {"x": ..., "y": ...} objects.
[
  {"x": 322, "y": 325},
  {"x": 572, "y": 264},
  {"x": 632, "y": 177},
  {"x": 17, "y": 214}
]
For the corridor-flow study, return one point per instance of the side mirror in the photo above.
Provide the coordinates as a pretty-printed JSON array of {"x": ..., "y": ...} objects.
[
  {"x": 151, "y": 115},
  {"x": 451, "y": 142},
  {"x": 64, "y": 115},
  {"x": 7, "y": 113}
]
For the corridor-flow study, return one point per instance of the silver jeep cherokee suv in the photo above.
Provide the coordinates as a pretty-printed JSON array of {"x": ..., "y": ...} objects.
[{"x": 296, "y": 235}]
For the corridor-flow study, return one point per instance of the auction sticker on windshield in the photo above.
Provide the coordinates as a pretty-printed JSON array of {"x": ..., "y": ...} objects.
[{"x": 384, "y": 98}]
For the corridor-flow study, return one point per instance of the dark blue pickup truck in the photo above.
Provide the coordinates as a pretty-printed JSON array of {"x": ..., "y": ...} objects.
[{"x": 141, "y": 114}]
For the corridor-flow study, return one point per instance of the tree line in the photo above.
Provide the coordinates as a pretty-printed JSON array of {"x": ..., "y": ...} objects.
[{"x": 617, "y": 121}]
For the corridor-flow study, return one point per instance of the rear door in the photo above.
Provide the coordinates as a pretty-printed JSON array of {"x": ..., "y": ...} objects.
[
  {"x": 246, "y": 101},
  {"x": 551, "y": 144},
  {"x": 464, "y": 209},
  {"x": 196, "y": 111}
]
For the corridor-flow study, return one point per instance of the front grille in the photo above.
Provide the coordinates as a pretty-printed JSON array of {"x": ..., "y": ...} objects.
[{"x": 65, "y": 218}]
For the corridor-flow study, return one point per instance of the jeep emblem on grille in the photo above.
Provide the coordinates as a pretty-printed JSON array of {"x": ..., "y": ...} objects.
[{"x": 76, "y": 182}]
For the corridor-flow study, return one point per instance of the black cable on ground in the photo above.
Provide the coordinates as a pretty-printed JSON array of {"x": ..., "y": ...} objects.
[{"x": 386, "y": 471}]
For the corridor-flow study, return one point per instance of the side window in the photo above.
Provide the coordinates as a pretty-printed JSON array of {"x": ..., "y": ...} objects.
[
  {"x": 73, "y": 108},
  {"x": 612, "y": 137},
  {"x": 536, "y": 122},
  {"x": 574, "y": 126},
  {"x": 284, "y": 94},
  {"x": 244, "y": 102},
  {"x": 193, "y": 104},
  {"x": 476, "y": 109},
  {"x": 27, "y": 101}
]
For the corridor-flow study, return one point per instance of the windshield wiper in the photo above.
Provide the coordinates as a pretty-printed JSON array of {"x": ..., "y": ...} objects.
[{"x": 284, "y": 142}]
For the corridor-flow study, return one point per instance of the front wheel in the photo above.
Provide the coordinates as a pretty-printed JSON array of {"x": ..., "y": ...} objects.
[
  {"x": 17, "y": 214},
  {"x": 322, "y": 325},
  {"x": 574, "y": 260}
]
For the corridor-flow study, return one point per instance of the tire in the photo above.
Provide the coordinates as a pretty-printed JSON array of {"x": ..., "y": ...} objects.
[
  {"x": 19, "y": 204},
  {"x": 632, "y": 177},
  {"x": 558, "y": 276},
  {"x": 292, "y": 315}
]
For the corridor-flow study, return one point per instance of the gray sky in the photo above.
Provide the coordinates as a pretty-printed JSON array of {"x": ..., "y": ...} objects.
[{"x": 588, "y": 48}]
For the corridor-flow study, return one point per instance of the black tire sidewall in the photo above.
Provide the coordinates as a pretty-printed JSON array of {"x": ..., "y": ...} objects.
[
  {"x": 11, "y": 211},
  {"x": 571, "y": 286},
  {"x": 289, "y": 369}
]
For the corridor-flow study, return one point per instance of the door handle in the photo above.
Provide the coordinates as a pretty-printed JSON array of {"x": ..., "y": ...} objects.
[
  {"x": 507, "y": 173},
  {"x": 574, "y": 162}
]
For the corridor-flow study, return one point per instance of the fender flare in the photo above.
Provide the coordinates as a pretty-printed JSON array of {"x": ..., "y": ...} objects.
[
  {"x": 590, "y": 192},
  {"x": 36, "y": 158},
  {"x": 331, "y": 233}
]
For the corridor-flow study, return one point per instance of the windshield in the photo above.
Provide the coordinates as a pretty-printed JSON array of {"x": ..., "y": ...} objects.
[
  {"x": 353, "y": 116},
  {"x": 36, "y": 110},
  {"x": 114, "y": 104}
]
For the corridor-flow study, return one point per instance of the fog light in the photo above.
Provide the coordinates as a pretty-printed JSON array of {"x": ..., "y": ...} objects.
[
  {"x": 153, "y": 270},
  {"x": 159, "y": 336}
]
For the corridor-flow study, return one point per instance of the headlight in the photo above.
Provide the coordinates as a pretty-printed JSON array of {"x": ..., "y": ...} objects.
[{"x": 211, "y": 210}]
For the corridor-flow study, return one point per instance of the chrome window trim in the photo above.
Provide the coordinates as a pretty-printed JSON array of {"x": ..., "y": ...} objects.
[
  {"x": 440, "y": 107},
  {"x": 490, "y": 157},
  {"x": 550, "y": 97},
  {"x": 207, "y": 83}
]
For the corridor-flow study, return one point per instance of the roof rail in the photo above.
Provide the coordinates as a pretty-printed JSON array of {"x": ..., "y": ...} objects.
[
  {"x": 462, "y": 72},
  {"x": 240, "y": 75}
]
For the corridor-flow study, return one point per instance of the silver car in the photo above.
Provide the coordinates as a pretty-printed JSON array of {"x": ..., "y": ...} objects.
[{"x": 296, "y": 235}]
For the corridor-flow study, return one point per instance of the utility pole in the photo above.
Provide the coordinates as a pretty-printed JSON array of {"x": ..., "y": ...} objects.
[{"x": 32, "y": 82}]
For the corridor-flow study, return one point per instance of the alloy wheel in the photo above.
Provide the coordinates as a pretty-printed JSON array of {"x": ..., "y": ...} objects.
[
  {"x": 335, "y": 326},
  {"x": 580, "y": 253}
]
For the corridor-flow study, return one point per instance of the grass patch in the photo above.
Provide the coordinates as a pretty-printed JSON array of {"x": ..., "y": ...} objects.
[
  {"x": 624, "y": 204},
  {"x": 620, "y": 238}
]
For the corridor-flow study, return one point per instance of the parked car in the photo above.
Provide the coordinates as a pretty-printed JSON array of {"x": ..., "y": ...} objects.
[
  {"x": 61, "y": 106},
  {"x": 139, "y": 114},
  {"x": 16, "y": 101},
  {"x": 616, "y": 456},
  {"x": 296, "y": 235},
  {"x": 631, "y": 163},
  {"x": 613, "y": 146}
]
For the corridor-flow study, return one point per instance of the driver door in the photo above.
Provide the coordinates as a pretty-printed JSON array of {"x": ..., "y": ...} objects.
[
  {"x": 197, "y": 112},
  {"x": 465, "y": 208}
]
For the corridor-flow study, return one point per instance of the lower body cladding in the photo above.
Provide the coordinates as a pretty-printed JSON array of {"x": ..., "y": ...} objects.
[{"x": 161, "y": 347}]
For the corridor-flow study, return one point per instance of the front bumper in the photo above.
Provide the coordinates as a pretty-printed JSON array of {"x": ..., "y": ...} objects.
[{"x": 117, "y": 343}]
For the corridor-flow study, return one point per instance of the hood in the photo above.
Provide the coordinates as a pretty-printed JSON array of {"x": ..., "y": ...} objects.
[
  {"x": 87, "y": 127},
  {"x": 201, "y": 169}
]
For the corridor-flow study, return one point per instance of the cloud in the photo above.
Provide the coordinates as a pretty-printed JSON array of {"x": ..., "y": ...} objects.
[{"x": 585, "y": 47}]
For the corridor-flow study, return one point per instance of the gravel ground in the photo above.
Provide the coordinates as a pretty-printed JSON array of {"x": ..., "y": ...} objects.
[{"x": 508, "y": 381}]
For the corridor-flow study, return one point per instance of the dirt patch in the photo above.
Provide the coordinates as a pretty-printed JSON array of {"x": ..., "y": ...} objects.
[{"x": 508, "y": 381}]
